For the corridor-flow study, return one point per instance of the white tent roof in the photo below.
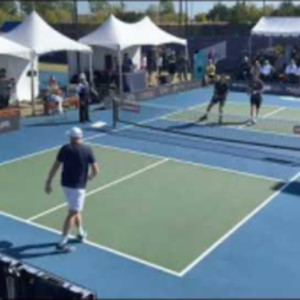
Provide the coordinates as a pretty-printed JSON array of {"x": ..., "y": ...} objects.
[
  {"x": 11, "y": 48},
  {"x": 112, "y": 34},
  {"x": 115, "y": 34},
  {"x": 277, "y": 26},
  {"x": 151, "y": 34},
  {"x": 38, "y": 36}
]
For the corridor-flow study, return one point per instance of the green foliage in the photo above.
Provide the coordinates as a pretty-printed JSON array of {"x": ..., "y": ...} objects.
[
  {"x": 97, "y": 6},
  {"x": 201, "y": 18},
  {"x": 166, "y": 7},
  {"x": 219, "y": 12}
]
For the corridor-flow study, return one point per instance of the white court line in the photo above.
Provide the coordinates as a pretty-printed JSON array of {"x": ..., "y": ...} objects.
[
  {"x": 236, "y": 227},
  {"x": 104, "y": 187},
  {"x": 182, "y": 161},
  {"x": 98, "y": 135},
  {"x": 274, "y": 112},
  {"x": 98, "y": 246}
]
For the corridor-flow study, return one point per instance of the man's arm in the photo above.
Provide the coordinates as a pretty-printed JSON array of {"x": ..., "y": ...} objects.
[
  {"x": 52, "y": 173},
  {"x": 95, "y": 171}
]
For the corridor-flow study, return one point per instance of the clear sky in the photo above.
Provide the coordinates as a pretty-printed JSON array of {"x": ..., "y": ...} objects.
[{"x": 194, "y": 6}]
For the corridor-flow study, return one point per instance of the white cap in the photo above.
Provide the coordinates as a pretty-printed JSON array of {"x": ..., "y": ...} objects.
[
  {"x": 82, "y": 76},
  {"x": 75, "y": 132}
]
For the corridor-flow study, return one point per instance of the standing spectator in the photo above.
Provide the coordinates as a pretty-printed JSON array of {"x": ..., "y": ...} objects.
[
  {"x": 210, "y": 72},
  {"x": 245, "y": 69},
  {"x": 182, "y": 67},
  {"x": 159, "y": 63},
  {"x": 255, "y": 69},
  {"x": 144, "y": 63},
  {"x": 127, "y": 66},
  {"x": 84, "y": 93},
  {"x": 172, "y": 66}
]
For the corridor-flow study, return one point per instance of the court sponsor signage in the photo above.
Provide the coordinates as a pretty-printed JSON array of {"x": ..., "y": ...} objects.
[
  {"x": 163, "y": 90},
  {"x": 9, "y": 120},
  {"x": 276, "y": 89}
]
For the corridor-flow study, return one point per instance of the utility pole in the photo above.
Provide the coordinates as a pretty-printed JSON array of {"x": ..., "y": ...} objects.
[{"x": 76, "y": 29}]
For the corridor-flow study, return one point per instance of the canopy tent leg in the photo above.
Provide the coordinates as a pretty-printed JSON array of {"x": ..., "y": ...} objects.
[
  {"x": 120, "y": 71},
  {"x": 91, "y": 70},
  {"x": 32, "y": 75},
  {"x": 187, "y": 61}
]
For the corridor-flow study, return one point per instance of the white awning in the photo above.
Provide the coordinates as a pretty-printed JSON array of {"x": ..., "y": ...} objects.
[
  {"x": 115, "y": 34},
  {"x": 277, "y": 26},
  {"x": 40, "y": 37},
  {"x": 11, "y": 48},
  {"x": 150, "y": 34}
]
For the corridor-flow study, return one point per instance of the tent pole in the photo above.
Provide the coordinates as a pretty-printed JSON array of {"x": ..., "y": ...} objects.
[
  {"x": 120, "y": 71},
  {"x": 187, "y": 61},
  {"x": 32, "y": 83},
  {"x": 91, "y": 70},
  {"x": 250, "y": 47}
]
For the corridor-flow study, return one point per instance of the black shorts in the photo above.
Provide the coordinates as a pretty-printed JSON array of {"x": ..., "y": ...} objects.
[
  {"x": 256, "y": 100},
  {"x": 218, "y": 99}
]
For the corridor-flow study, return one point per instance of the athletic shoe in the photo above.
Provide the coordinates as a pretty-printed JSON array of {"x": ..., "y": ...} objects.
[
  {"x": 82, "y": 237},
  {"x": 203, "y": 118},
  {"x": 64, "y": 248}
]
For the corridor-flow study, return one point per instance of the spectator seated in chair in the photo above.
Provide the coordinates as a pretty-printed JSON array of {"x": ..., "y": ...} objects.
[
  {"x": 291, "y": 72},
  {"x": 53, "y": 95},
  {"x": 266, "y": 71}
]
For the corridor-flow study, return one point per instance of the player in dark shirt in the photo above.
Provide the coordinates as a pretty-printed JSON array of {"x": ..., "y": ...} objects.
[
  {"x": 256, "y": 87},
  {"x": 75, "y": 158},
  {"x": 219, "y": 97}
]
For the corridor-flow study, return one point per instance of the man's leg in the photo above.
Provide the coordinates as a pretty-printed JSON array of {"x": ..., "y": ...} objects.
[
  {"x": 78, "y": 222},
  {"x": 67, "y": 228},
  {"x": 221, "y": 108},
  {"x": 208, "y": 109}
]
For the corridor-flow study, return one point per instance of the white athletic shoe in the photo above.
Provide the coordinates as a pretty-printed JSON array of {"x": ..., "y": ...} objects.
[{"x": 82, "y": 237}]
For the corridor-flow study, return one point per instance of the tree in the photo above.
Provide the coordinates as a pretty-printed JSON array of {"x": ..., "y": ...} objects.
[
  {"x": 201, "y": 18},
  {"x": 166, "y": 7},
  {"x": 131, "y": 16},
  {"x": 219, "y": 12},
  {"x": 9, "y": 7},
  {"x": 96, "y": 6},
  {"x": 287, "y": 9}
]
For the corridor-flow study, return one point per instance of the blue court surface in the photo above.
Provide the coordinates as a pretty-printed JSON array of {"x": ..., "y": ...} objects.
[{"x": 211, "y": 211}]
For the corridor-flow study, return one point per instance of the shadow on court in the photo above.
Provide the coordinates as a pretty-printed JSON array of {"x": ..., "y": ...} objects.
[
  {"x": 292, "y": 189},
  {"x": 29, "y": 251}
]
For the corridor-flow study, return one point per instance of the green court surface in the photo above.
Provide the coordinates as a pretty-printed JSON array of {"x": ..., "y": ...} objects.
[
  {"x": 273, "y": 119},
  {"x": 159, "y": 210}
]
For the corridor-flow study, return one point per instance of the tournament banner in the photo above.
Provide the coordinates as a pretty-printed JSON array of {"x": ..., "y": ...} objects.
[
  {"x": 200, "y": 63},
  {"x": 162, "y": 91},
  {"x": 216, "y": 52},
  {"x": 9, "y": 120}
]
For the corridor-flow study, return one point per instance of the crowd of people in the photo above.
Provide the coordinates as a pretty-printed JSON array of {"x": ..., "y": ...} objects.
[{"x": 272, "y": 69}]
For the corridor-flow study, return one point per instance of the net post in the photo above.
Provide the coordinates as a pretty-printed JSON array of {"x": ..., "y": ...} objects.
[{"x": 114, "y": 112}]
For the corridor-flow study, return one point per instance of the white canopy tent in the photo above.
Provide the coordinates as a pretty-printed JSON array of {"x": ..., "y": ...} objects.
[
  {"x": 41, "y": 38},
  {"x": 118, "y": 36},
  {"x": 150, "y": 34},
  {"x": 8, "y": 47},
  {"x": 14, "y": 57},
  {"x": 276, "y": 27}
]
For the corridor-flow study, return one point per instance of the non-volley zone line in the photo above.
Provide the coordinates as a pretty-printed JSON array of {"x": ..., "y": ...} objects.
[{"x": 28, "y": 156}]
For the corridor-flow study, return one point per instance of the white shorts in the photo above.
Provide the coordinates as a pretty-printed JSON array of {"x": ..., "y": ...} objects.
[{"x": 75, "y": 198}]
